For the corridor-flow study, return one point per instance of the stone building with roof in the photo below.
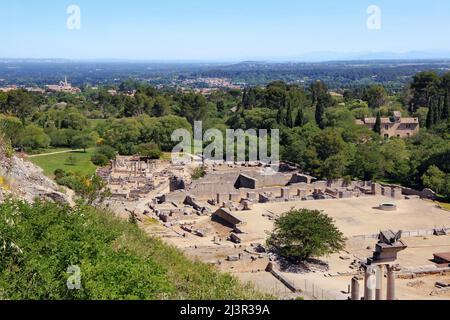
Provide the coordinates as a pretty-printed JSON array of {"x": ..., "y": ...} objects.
[{"x": 395, "y": 126}]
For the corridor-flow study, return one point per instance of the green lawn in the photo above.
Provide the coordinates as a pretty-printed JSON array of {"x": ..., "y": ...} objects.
[{"x": 81, "y": 164}]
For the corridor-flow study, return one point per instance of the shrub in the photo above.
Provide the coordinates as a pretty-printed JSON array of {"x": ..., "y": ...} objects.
[
  {"x": 149, "y": 150},
  {"x": 199, "y": 172},
  {"x": 108, "y": 151},
  {"x": 33, "y": 137},
  {"x": 117, "y": 260},
  {"x": 59, "y": 173},
  {"x": 100, "y": 160}
]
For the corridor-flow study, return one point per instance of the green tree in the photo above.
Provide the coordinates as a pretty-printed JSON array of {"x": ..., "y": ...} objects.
[
  {"x": 424, "y": 89},
  {"x": 302, "y": 234},
  {"x": 82, "y": 141},
  {"x": 289, "y": 121},
  {"x": 193, "y": 107},
  {"x": 150, "y": 150},
  {"x": 161, "y": 107},
  {"x": 20, "y": 104},
  {"x": 124, "y": 135},
  {"x": 367, "y": 162},
  {"x": 333, "y": 168},
  {"x": 75, "y": 121},
  {"x": 32, "y": 137},
  {"x": 11, "y": 127},
  {"x": 375, "y": 96},
  {"x": 436, "y": 180},
  {"x": 396, "y": 159},
  {"x": 320, "y": 111},
  {"x": 300, "y": 120},
  {"x": 446, "y": 90},
  {"x": 328, "y": 143},
  {"x": 99, "y": 160},
  {"x": 108, "y": 151},
  {"x": 275, "y": 95},
  {"x": 377, "y": 126}
]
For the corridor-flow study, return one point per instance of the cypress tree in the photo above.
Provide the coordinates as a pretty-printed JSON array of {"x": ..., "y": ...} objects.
[
  {"x": 251, "y": 97},
  {"x": 320, "y": 111},
  {"x": 300, "y": 119},
  {"x": 245, "y": 102},
  {"x": 436, "y": 113},
  {"x": 430, "y": 117},
  {"x": 377, "y": 127},
  {"x": 445, "y": 110},
  {"x": 289, "y": 123},
  {"x": 280, "y": 116}
]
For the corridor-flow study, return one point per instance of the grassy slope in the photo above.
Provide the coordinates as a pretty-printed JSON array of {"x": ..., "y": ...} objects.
[
  {"x": 116, "y": 258},
  {"x": 49, "y": 163}
]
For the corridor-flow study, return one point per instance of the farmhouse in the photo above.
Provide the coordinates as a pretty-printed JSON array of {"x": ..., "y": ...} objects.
[{"x": 395, "y": 126}]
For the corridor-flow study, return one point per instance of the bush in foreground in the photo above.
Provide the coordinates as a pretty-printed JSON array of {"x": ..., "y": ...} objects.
[{"x": 117, "y": 260}]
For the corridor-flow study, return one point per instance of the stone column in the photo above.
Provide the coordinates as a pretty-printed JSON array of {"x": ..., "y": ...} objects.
[
  {"x": 380, "y": 278},
  {"x": 355, "y": 289},
  {"x": 368, "y": 284},
  {"x": 390, "y": 283}
]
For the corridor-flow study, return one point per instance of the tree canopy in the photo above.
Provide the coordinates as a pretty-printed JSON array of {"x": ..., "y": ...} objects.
[{"x": 301, "y": 234}]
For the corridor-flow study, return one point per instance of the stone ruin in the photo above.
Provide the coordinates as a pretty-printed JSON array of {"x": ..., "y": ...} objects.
[
  {"x": 243, "y": 187},
  {"x": 133, "y": 178},
  {"x": 384, "y": 257},
  {"x": 233, "y": 187}
]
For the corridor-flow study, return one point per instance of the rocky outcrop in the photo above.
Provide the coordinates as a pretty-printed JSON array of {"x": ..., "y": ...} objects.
[{"x": 22, "y": 179}]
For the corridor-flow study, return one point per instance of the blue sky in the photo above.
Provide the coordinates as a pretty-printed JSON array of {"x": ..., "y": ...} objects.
[{"x": 218, "y": 29}]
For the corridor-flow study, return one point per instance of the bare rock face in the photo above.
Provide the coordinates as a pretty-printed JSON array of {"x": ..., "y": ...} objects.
[{"x": 24, "y": 180}]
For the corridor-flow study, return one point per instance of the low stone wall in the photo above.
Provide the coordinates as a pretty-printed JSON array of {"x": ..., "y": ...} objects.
[
  {"x": 425, "y": 193},
  {"x": 405, "y": 234},
  {"x": 282, "y": 279}
]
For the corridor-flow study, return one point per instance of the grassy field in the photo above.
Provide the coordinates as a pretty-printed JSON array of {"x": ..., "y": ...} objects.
[{"x": 81, "y": 162}]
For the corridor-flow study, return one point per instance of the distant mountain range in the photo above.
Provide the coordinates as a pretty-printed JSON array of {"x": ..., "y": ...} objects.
[
  {"x": 319, "y": 56},
  {"x": 338, "y": 56}
]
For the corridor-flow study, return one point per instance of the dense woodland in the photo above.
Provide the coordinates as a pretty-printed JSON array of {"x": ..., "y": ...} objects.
[{"x": 318, "y": 130}]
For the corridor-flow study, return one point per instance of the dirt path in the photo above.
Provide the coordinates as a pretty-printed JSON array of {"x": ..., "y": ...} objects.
[{"x": 53, "y": 153}]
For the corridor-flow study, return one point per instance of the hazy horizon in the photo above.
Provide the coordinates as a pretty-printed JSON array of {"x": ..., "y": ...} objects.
[
  {"x": 311, "y": 57},
  {"x": 219, "y": 31}
]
